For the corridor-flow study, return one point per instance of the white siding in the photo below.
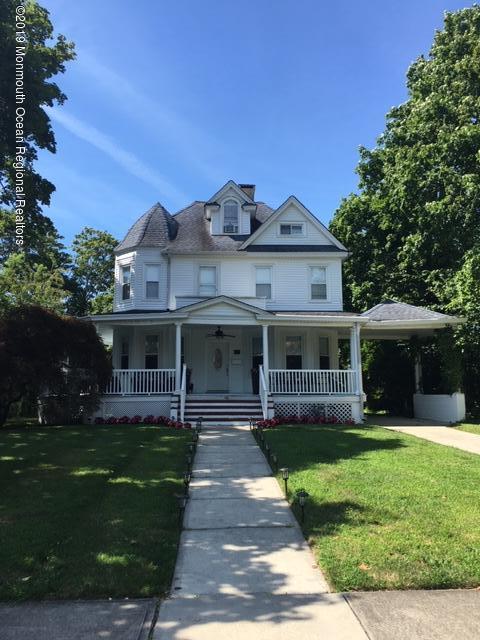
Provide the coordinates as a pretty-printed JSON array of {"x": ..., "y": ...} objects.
[
  {"x": 137, "y": 261},
  {"x": 236, "y": 278},
  {"x": 312, "y": 235},
  {"x": 124, "y": 260}
]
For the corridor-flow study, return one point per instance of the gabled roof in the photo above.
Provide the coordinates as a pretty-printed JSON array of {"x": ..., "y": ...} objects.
[
  {"x": 231, "y": 185},
  {"x": 392, "y": 310},
  {"x": 156, "y": 228},
  {"x": 194, "y": 231},
  {"x": 293, "y": 200},
  {"x": 231, "y": 302}
]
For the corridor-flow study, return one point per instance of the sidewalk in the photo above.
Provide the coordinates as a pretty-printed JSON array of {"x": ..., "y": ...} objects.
[
  {"x": 244, "y": 569},
  {"x": 428, "y": 430}
]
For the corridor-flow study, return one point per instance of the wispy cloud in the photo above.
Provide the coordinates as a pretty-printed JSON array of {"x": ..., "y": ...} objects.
[
  {"x": 127, "y": 160},
  {"x": 190, "y": 140}
]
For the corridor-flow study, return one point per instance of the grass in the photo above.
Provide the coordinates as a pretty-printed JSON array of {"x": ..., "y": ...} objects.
[
  {"x": 470, "y": 427},
  {"x": 89, "y": 511},
  {"x": 386, "y": 510}
]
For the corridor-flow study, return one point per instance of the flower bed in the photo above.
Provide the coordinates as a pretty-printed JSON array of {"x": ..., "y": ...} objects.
[
  {"x": 150, "y": 419},
  {"x": 274, "y": 422}
]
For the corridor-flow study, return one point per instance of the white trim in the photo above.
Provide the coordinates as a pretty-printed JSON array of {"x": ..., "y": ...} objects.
[
  {"x": 271, "y": 269},
  {"x": 308, "y": 214},
  {"x": 327, "y": 287},
  {"x": 231, "y": 185},
  {"x": 206, "y": 265},
  {"x": 291, "y": 223}
]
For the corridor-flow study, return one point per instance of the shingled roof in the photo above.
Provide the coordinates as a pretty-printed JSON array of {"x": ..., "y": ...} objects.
[
  {"x": 194, "y": 230},
  {"x": 394, "y": 310},
  {"x": 156, "y": 228}
]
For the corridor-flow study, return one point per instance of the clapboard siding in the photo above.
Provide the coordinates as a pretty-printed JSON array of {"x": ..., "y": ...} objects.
[
  {"x": 236, "y": 278},
  {"x": 271, "y": 235},
  {"x": 137, "y": 261}
]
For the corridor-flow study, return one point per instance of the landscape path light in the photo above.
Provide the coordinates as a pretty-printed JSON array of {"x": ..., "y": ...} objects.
[
  {"x": 189, "y": 461},
  {"x": 302, "y": 500},
  {"x": 187, "y": 476},
  {"x": 275, "y": 461},
  {"x": 182, "y": 504},
  {"x": 198, "y": 426},
  {"x": 285, "y": 474}
]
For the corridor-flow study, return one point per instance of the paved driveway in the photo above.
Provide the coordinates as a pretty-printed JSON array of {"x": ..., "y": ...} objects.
[{"x": 433, "y": 431}]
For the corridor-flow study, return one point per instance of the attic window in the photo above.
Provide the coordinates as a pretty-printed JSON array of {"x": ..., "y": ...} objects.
[
  {"x": 230, "y": 217},
  {"x": 291, "y": 229}
]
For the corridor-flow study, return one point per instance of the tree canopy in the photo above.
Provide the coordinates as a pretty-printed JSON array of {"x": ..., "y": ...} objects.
[
  {"x": 44, "y": 354},
  {"x": 45, "y": 56},
  {"x": 92, "y": 272},
  {"x": 414, "y": 227}
]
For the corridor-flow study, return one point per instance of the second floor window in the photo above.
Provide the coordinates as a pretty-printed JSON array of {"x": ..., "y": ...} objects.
[
  {"x": 126, "y": 279},
  {"x": 318, "y": 283},
  {"x": 207, "y": 281},
  {"x": 263, "y": 285},
  {"x": 152, "y": 280},
  {"x": 230, "y": 217}
]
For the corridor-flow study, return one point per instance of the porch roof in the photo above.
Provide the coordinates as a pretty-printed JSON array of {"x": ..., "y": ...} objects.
[{"x": 394, "y": 320}]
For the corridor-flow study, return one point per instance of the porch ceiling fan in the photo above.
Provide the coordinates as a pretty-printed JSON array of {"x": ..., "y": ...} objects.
[{"x": 219, "y": 334}]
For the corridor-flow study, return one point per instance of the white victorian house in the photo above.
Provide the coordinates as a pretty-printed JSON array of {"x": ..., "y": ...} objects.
[{"x": 230, "y": 309}]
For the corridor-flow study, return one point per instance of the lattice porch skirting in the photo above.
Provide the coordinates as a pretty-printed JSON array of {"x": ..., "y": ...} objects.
[
  {"x": 119, "y": 406},
  {"x": 342, "y": 410}
]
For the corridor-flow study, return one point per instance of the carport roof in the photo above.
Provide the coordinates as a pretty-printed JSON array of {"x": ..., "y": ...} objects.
[{"x": 394, "y": 310}]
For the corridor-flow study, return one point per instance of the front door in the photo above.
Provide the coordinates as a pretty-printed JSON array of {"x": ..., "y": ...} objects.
[{"x": 217, "y": 369}]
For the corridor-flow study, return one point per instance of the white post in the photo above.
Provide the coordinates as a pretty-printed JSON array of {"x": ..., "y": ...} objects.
[
  {"x": 353, "y": 355},
  {"x": 359, "y": 360},
  {"x": 265, "y": 355},
  {"x": 178, "y": 355},
  {"x": 418, "y": 374}
]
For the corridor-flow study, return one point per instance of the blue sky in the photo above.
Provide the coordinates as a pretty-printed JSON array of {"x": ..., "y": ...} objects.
[{"x": 167, "y": 100}]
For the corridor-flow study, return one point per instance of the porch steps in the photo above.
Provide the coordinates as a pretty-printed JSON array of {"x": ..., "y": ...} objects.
[{"x": 227, "y": 410}]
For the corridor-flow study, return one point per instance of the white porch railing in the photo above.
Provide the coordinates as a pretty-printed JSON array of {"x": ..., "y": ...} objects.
[
  {"x": 313, "y": 381},
  {"x": 183, "y": 391},
  {"x": 141, "y": 382},
  {"x": 263, "y": 391}
]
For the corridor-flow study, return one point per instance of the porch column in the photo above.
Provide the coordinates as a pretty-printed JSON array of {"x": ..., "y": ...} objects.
[
  {"x": 265, "y": 354},
  {"x": 418, "y": 373},
  {"x": 178, "y": 355},
  {"x": 354, "y": 354},
  {"x": 359, "y": 360}
]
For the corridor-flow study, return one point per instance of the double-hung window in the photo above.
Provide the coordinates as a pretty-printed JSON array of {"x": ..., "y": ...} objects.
[
  {"x": 293, "y": 352},
  {"x": 324, "y": 353},
  {"x": 126, "y": 280},
  {"x": 152, "y": 280},
  {"x": 151, "y": 352},
  {"x": 124, "y": 354},
  {"x": 318, "y": 283},
  {"x": 263, "y": 282},
  {"x": 207, "y": 281},
  {"x": 230, "y": 217}
]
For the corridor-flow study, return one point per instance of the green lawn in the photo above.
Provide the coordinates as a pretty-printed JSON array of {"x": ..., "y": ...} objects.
[
  {"x": 89, "y": 511},
  {"x": 470, "y": 427},
  {"x": 387, "y": 510}
]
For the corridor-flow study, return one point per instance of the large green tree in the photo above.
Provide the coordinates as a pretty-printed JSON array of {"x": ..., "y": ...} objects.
[
  {"x": 92, "y": 272},
  {"x": 44, "y": 57},
  {"x": 415, "y": 222}
]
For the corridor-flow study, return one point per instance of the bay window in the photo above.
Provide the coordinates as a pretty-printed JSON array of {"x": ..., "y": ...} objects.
[
  {"x": 125, "y": 281},
  {"x": 152, "y": 280}
]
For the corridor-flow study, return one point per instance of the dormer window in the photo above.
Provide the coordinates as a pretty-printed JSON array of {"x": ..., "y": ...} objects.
[{"x": 230, "y": 217}]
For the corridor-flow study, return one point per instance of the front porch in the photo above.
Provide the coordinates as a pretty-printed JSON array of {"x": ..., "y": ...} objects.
[{"x": 291, "y": 363}]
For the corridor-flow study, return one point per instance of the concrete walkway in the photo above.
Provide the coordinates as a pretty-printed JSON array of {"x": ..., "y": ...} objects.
[
  {"x": 244, "y": 569},
  {"x": 432, "y": 431}
]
